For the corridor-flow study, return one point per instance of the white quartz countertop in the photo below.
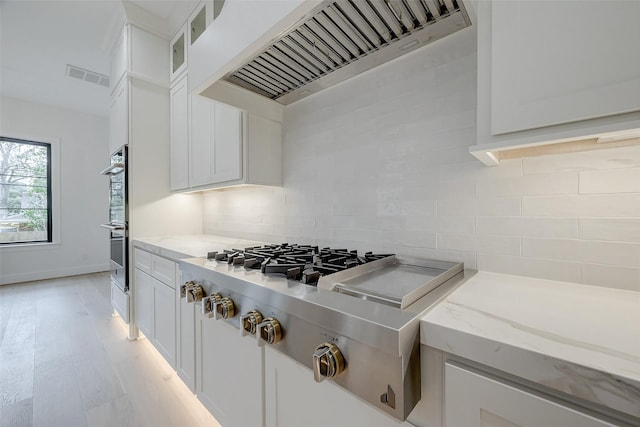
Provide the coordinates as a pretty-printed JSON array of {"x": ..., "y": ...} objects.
[
  {"x": 545, "y": 331},
  {"x": 191, "y": 246}
]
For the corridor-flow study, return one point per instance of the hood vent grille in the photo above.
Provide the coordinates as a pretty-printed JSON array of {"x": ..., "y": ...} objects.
[{"x": 344, "y": 38}]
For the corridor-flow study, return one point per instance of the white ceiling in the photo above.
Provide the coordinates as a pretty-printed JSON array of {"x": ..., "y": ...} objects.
[{"x": 39, "y": 38}]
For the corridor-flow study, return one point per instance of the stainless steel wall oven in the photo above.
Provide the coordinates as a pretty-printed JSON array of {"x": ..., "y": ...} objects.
[{"x": 118, "y": 229}]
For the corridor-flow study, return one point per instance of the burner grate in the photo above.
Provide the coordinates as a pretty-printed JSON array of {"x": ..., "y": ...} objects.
[{"x": 304, "y": 263}]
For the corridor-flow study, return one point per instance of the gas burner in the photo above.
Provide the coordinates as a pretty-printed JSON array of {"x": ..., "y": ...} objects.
[{"x": 304, "y": 263}]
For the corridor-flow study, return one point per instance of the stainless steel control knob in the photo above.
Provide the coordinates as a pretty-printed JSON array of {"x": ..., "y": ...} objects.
[
  {"x": 194, "y": 292},
  {"x": 327, "y": 361},
  {"x": 269, "y": 331},
  {"x": 208, "y": 304},
  {"x": 249, "y": 322},
  {"x": 224, "y": 308},
  {"x": 183, "y": 288}
]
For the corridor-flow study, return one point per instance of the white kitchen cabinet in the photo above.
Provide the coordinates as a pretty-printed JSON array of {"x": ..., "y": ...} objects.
[
  {"x": 178, "y": 58},
  {"x": 228, "y": 146},
  {"x": 555, "y": 73},
  {"x": 143, "y": 302},
  {"x": 179, "y": 135},
  {"x": 473, "y": 399},
  {"x": 294, "y": 399},
  {"x": 164, "y": 322},
  {"x": 216, "y": 142},
  {"x": 155, "y": 302},
  {"x": 186, "y": 341},
  {"x": 229, "y": 373},
  {"x": 119, "y": 117},
  {"x": 199, "y": 20}
]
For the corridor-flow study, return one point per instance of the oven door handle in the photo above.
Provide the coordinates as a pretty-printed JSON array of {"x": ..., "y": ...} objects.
[{"x": 113, "y": 227}]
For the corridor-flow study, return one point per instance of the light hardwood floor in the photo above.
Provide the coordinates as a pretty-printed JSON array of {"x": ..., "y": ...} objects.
[{"x": 66, "y": 361}]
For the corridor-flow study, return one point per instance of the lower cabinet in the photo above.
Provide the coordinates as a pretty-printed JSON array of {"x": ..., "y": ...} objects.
[
  {"x": 473, "y": 399},
  {"x": 154, "y": 301},
  {"x": 294, "y": 399},
  {"x": 229, "y": 371}
]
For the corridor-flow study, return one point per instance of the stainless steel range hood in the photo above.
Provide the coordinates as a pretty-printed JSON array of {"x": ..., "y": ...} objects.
[{"x": 344, "y": 38}]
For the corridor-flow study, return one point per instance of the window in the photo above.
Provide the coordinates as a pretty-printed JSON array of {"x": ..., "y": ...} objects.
[{"x": 25, "y": 191}]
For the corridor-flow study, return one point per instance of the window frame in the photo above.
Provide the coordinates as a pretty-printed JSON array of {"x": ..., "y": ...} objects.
[{"x": 53, "y": 190}]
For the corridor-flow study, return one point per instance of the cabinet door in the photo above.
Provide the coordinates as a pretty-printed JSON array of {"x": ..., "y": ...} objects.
[
  {"x": 472, "y": 399},
  {"x": 572, "y": 61},
  {"x": 227, "y": 364},
  {"x": 201, "y": 141},
  {"x": 180, "y": 136},
  {"x": 215, "y": 143},
  {"x": 178, "y": 53},
  {"x": 227, "y": 157},
  {"x": 165, "y": 322},
  {"x": 119, "y": 117},
  {"x": 294, "y": 399},
  {"x": 143, "y": 302},
  {"x": 186, "y": 340}
]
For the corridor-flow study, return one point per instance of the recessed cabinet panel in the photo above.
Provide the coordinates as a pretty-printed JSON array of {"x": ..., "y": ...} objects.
[
  {"x": 201, "y": 141},
  {"x": 186, "y": 342},
  {"x": 572, "y": 61},
  {"x": 119, "y": 117},
  {"x": 143, "y": 302},
  {"x": 227, "y": 143},
  {"x": 180, "y": 135}
]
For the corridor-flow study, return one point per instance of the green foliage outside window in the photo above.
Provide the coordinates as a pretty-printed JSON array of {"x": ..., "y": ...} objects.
[{"x": 24, "y": 191}]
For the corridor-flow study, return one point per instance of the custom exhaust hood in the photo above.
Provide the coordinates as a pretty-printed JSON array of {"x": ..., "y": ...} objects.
[{"x": 343, "y": 38}]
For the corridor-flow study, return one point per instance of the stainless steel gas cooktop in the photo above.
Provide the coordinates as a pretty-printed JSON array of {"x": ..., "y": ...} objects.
[{"x": 341, "y": 313}]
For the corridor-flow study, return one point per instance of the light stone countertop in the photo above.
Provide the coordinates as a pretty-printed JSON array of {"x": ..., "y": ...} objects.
[
  {"x": 190, "y": 246},
  {"x": 583, "y": 340}
]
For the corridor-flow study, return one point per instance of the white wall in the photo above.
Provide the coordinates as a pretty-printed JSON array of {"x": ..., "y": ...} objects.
[
  {"x": 381, "y": 162},
  {"x": 83, "y": 193}
]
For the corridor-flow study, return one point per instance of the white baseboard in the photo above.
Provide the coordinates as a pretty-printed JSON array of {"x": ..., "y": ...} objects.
[{"x": 52, "y": 274}]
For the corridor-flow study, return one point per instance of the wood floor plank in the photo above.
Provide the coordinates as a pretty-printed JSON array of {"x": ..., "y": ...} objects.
[
  {"x": 83, "y": 371},
  {"x": 57, "y": 393},
  {"x": 19, "y": 414}
]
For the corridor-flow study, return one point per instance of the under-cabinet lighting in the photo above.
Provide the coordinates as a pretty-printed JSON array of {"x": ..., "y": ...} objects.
[{"x": 619, "y": 136}]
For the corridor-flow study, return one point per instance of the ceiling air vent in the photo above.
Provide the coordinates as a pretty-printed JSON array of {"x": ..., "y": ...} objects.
[
  {"x": 87, "y": 76},
  {"x": 344, "y": 38}
]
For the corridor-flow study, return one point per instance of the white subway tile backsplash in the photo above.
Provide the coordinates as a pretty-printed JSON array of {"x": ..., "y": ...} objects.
[
  {"x": 566, "y": 183},
  {"x": 531, "y": 267},
  {"x": 611, "y": 276},
  {"x": 499, "y": 245},
  {"x": 561, "y": 228},
  {"x": 589, "y": 251},
  {"x": 464, "y": 225},
  {"x": 472, "y": 171},
  {"x": 490, "y": 206},
  {"x": 610, "y": 181},
  {"x": 600, "y": 205},
  {"x": 615, "y": 229},
  {"x": 381, "y": 162}
]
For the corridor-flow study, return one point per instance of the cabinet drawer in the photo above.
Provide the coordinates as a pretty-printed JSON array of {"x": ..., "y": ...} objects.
[
  {"x": 142, "y": 260},
  {"x": 164, "y": 270},
  {"x": 472, "y": 399}
]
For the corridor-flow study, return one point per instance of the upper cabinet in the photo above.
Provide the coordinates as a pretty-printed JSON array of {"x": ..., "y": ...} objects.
[
  {"x": 555, "y": 73},
  {"x": 178, "y": 54},
  {"x": 226, "y": 146}
]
